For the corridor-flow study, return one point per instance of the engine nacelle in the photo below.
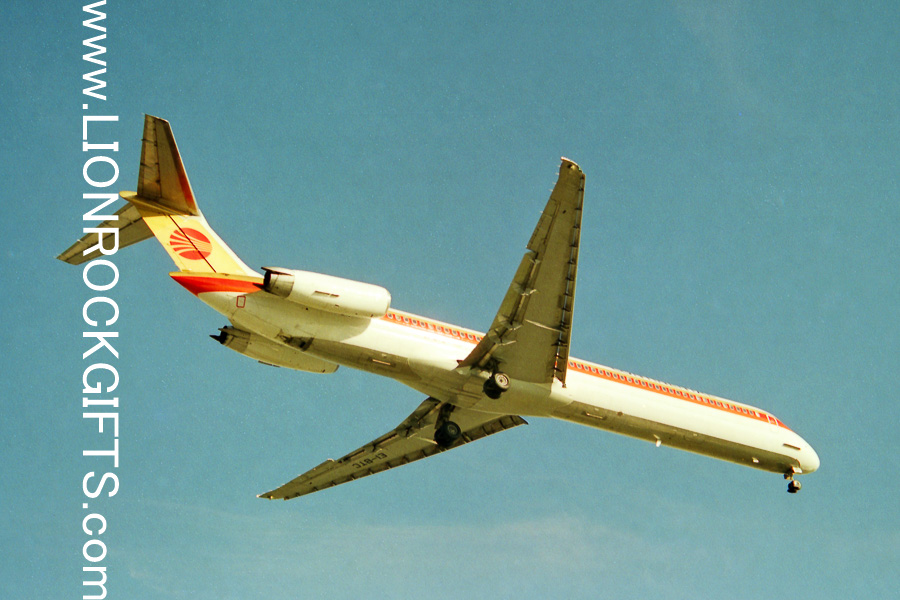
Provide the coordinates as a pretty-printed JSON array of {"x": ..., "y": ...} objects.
[
  {"x": 324, "y": 292},
  {"x": 272, "y": 353}
]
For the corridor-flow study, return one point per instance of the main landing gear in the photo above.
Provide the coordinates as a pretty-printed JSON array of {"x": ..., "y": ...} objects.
[
  {"x": 496, "y": 384},
  {"x": 793, "y": 485},
  {"x": 446, "y": 432}
]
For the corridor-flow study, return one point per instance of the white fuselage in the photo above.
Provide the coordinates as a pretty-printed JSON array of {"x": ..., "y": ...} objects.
[{"x": 425, "y": 355}]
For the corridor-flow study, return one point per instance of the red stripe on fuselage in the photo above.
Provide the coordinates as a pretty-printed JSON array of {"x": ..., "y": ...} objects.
[
  {"x": 199, "y": 284},
  {"x": 594, "y": 370}
]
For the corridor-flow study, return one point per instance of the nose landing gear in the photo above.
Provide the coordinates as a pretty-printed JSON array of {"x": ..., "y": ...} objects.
[{"x": 793, "y": 485}]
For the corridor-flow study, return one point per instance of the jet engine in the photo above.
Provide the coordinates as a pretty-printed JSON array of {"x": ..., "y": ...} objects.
[
  {"x": 271, "y": 353},
  {"x": 324, "y": 292}
]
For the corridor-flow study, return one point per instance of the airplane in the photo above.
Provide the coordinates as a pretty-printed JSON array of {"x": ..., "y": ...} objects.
[{"x": 475, "y": 384}]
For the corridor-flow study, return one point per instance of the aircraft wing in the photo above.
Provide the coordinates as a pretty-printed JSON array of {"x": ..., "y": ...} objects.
[
  {"x": 412, "y": 440},
  {"x": 529, "y": 338}
]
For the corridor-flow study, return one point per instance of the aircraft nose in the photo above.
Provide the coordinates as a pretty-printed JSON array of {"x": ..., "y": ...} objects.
[{"x": 809, "y": 460}]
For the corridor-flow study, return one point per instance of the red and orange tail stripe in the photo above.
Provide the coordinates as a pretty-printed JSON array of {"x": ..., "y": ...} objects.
[{"x": 200, "y": 283}]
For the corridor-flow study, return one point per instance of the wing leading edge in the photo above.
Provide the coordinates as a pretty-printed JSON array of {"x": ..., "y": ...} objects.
[
  {"x": 412, "y": 440},
  {"x": 529, "y": 338}
]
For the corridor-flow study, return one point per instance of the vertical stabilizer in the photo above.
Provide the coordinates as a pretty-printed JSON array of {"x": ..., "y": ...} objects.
[
  {"x": 163, "y": 206},
  {"x": 166, "y": 202},
  {"x": 162, "y": 179}
]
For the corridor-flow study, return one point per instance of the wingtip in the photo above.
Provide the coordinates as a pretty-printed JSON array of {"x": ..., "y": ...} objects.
[
  {"x": 570, "y": 167},
  {"x": 570, "y": 170}
]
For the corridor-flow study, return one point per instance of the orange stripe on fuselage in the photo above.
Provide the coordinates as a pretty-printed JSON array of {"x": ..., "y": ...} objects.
[
  {"x": 594, "y": 370},
  {"x": 444, "y": 329},
  {"x": 672, "y": 391},
  {"x": 199, "y": 284}
]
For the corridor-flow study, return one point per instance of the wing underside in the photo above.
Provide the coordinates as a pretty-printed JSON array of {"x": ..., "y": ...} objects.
[
  {"x": 410, "y": 441},
  {"x": 529, "y": 338}
]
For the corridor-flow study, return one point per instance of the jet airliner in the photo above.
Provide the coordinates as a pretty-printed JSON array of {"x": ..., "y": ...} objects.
[{"x": 475, "y": 384}]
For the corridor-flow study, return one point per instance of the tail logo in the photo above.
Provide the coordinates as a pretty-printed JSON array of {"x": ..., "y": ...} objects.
[{"x": 190, "y": 244}]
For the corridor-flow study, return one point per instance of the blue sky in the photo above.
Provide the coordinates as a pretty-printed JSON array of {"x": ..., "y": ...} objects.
[{"x": 740, "y": 237}]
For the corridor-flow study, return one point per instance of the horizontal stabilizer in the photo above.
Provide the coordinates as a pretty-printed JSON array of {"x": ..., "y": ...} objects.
[{"x": 131, "y": 230}]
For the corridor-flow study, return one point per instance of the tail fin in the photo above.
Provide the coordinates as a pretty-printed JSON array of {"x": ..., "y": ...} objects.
[{"x": 164, "y": 206}]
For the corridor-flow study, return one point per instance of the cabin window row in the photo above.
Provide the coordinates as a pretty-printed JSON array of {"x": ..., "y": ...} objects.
[
  {"x": 662, "y": 388},
  {"x": 456, "y": 333}
]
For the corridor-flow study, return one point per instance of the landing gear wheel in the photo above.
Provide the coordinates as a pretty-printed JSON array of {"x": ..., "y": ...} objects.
[
  {"x": 496, "y": 384},
  {"x": 446, "y": 434},
  {"x": 793, "y": 486}
]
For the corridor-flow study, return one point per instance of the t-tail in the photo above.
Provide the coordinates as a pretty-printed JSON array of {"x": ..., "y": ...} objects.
[{"x": 164, "y": 206}]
